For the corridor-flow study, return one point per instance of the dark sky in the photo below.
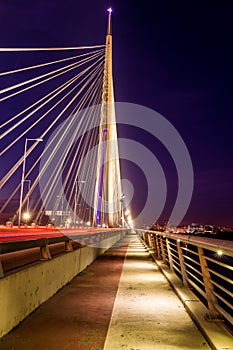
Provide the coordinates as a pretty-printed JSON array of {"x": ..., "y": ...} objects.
[{"x": 174, "y": 57}]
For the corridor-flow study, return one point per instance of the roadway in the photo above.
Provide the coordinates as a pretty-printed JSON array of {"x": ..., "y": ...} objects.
[{"x": 27, "y": 233}]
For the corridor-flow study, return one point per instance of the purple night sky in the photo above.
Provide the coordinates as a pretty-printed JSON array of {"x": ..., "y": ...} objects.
[{"x": 174, "y": 58}]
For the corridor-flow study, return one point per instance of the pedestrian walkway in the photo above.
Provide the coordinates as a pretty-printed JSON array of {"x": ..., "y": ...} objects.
[{"x": 121, "y": 301}]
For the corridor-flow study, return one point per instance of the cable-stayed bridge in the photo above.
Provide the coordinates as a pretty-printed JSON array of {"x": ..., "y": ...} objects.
[
  {"x": 60, "y": 153},
  {"x": 63, "y": 111}
]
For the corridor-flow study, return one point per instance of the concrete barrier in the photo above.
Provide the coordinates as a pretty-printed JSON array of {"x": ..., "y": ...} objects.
[{"x": 22, "y": 292}]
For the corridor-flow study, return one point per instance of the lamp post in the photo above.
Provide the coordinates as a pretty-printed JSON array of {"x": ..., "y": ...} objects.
[
  {"x": 62, "y": 205},
  {"x": 23, "y": 176},
  {"x": 87, "y": 216},
  {"x": 26, "y": 215},
  {"x": 75, "y": 199},
  {"x": 127, "y": 217},
  {"x": 122, "y": 213},
  {"x": 29, "y": 187}
]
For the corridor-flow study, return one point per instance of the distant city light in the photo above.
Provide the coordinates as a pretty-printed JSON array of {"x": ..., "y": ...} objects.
[
  {"x": 219, "y": 252},
  {"x": 109, "y": 9}
]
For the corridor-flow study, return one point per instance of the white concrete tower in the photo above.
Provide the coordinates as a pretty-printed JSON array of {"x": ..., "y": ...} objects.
[{"x": 108, "y": 186}]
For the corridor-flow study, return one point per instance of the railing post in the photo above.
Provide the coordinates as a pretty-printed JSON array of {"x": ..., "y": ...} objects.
[
  {"x": 68, "y": 246},
  {"x": 44, "y": 250},
  {"x": 151, "y": 242},
  {"x": 182, "y": 264},
  {"x": 1, "y": 270},
  {"x": 209, "y": 289},
  {"x": 162, "y": 250},
  {"x": 142, "y": 235},
  {"x": 169, "y": 254},
  {"x": 157, "y": 246},
  {"x": 147, "y": 238}
]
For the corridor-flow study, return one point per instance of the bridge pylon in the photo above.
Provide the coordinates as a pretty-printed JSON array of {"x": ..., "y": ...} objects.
[{"x": 108, "y": 191}]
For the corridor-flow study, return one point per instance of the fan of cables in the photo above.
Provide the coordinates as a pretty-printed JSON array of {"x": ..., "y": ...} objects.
[{"x": 58, "y": 102}]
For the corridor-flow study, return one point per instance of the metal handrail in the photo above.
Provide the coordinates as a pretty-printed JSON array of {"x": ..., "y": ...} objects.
[
  {"x": 9, "y": 247},
  {"x": 13, "y": 246},
  {"x": 208, "y": 274},
  {"x": 44, "y": 244}
]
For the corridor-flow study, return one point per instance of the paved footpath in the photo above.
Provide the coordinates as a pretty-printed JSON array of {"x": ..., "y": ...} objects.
[{"x": 120, "y": 302}]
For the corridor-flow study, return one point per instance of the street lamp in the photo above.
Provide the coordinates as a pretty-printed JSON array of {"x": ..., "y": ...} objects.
[
  {"x": 62, "y": 206},
  {"x": 26, "y": 216},
  {"x": 29, "y": 187},
  {"x": 75, "y": 198},
  {"x": 122, "y": 213},
  {"x": 128, "y": 219},
  {"x": 87, "y": 216},
  {"x": 23, "y": 176}
]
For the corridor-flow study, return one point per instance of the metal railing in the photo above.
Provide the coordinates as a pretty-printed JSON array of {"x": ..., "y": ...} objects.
[{"x": 203, "y": 264}]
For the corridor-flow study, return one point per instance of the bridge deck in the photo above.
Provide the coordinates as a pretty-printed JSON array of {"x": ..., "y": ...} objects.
[{"x": 121, "y": 301}]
